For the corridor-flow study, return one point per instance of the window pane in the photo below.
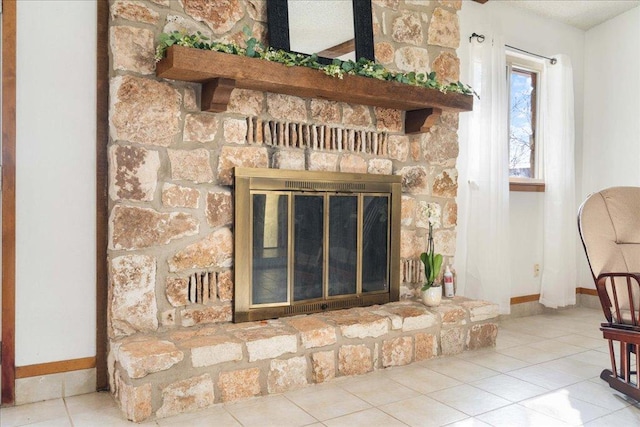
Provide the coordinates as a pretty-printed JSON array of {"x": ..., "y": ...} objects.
[
  {"x": 307, "y": 265},
  {"x": 521, "y": 126},
  {"x": 343, "y": 229},
  {"x": 270, "y": 248}
]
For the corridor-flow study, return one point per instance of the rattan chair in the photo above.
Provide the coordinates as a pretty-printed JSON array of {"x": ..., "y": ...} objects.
[{"x": 609, "y": 225}]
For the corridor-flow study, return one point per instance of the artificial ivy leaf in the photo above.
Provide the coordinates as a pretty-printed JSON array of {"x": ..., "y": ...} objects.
[
  {"x": 348, "y": 66},
  {"x": 251, "y": 47}
]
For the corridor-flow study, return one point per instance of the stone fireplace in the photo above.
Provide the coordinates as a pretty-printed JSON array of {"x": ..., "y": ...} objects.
[{"x": 172, "y": 260}]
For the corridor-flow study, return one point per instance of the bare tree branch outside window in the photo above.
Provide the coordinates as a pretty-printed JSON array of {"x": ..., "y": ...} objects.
[{"x": 521, "y": 124}]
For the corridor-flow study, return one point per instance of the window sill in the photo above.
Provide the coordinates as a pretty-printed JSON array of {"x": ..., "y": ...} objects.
[{"x": 526, "y": 185}]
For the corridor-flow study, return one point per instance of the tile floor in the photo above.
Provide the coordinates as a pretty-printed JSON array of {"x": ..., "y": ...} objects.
[{"x": 543, "y": 372}]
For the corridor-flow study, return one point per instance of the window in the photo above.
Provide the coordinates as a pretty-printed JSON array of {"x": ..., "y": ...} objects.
[{"x": 523, "y": 77}]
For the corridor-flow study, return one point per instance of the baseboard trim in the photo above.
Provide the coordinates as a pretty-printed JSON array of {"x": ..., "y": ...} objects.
[
  {"x": 536, "y": 297},
  {"x": 587, "y": 291},
  {"x": 55, "y": 367},
  {"x": 525, "y": 298}
]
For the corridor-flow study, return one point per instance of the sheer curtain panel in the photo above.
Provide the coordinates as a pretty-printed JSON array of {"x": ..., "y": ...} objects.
[
  {"x": 558, "y": 288},
  {"x": 487, "y": 274}
]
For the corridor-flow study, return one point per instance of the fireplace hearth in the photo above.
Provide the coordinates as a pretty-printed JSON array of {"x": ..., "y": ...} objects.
[{"x": 314, "y": 241}]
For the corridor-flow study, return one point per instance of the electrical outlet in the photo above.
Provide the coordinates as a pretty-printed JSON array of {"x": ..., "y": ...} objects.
[{"x": 536, "y": 270}]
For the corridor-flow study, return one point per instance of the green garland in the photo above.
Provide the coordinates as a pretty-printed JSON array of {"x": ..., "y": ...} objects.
[{"x": 362, "y": 67}]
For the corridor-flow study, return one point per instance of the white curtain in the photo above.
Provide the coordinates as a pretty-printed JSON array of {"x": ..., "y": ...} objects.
[
  {"x": 558, "y": 287},
  {"x": 487, "y": 273}
]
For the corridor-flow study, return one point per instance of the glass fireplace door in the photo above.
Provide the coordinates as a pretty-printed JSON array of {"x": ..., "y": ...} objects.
[
  {"x": 375, "y": 243},
  {"x": 343, "y": 245},
  {"x": 307, "y": 246},
  {"x": 270, "y": 249},
  {"x": 308, "y": 249}
]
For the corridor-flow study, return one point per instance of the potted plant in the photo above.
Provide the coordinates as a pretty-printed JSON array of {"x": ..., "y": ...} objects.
[{"x": 431, "y": 291}]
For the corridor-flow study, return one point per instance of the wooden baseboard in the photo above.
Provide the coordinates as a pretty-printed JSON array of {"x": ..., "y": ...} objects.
[
  {"x": 536, "y": 297},
  {"x": 587, "y": 291},
  {"x": 525, "y": 298},
  {"x": 55, "y": 367}
]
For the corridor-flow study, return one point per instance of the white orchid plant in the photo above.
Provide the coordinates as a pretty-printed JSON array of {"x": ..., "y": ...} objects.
[{"x": 431, "y": 260}]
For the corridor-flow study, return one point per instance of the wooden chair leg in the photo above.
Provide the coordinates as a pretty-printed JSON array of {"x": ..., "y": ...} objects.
[
  {"x": 637, "y": 348},
  {"x": 612, "y": 355},
  {"x": 624, "y": 361}
]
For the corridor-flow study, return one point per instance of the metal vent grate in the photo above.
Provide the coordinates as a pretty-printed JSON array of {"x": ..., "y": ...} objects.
[
  {"x": 323, "y": 306},
  {"x": 325, "y": 186}
]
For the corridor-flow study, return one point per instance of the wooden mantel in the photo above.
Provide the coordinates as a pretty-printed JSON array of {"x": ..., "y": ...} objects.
[{"x": 220, "y": 73}]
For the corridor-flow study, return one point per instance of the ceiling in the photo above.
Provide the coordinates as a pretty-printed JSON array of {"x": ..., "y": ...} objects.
[{"x": 582, "y": 14}]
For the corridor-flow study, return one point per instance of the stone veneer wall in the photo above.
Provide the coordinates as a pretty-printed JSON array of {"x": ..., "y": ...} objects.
[{"x": 170, "y": 165}]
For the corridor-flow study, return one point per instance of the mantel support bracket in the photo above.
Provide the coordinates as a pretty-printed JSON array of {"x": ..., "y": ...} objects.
[
  {"x": 419, "y": 121},
  {"x": 216, "y": 94}
]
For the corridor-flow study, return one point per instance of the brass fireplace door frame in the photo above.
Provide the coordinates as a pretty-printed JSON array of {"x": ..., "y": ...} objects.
[{"x": 249, "y": 181}]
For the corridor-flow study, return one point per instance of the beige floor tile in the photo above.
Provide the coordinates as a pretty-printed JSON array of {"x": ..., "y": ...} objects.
[
  {"x": 530, "y": 354},
  {"x": 508, "y": 338},
  {"x": 575, "y": 367},
  {"x": 562, "y": 406},
  {"x": 423, "y": 411},
  {"x": 554, "y": 346},
  {"x": 600, "y": 394},
  {"x": 594, "y": 357},
  {"x": 325, "y": 403},
  {"x": 583, "y": 341},
  {"x": 535, "y": 327},
  {"x": 367, "y": 418},
  {"x": 32, "y": 413},
  {"x": 59, "y": 422},
  {"x": 540, "y": 330},
  {"x": 604, "y": 348},
  {"x": 510, "y": 388},
  {"x": 461, "y": 370},
  {"x": 544, "y": 377},
  {"x": 516, "y": 415},
  {"x": 269, "y": 411},
  {"x": 469, "y": 422},
  {"x": 214, "y": 416},
  {"x": 470, "y": 400},
  {"x": 92, "y": 402},
  {"x": 421, "y": 379},
  {"x": 494, "y": 360},
  {"x": 378, "y": 389},
  {"x": 106, "y": 418},
  {"x": 629, "y": 416},
  {"x": 97, "y": 409}
]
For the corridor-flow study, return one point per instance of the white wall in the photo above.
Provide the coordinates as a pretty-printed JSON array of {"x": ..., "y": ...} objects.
[
  {"x": 612, "y": 103},
  {"x": 533, "y": 33},
  {"x": 55, "y": 181},
  {"x": 611, "y": 149}
]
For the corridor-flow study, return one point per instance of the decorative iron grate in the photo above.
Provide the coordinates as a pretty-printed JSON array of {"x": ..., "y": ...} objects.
[
  {"x": 323, "y": 306},
  {"x": 324, "y": 186}
]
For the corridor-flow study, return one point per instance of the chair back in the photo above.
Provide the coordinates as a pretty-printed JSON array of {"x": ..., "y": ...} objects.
[{"x": 609, "y": 225}]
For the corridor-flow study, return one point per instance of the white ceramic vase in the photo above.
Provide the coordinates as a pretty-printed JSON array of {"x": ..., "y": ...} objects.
[{"x": 432, "y": 296}]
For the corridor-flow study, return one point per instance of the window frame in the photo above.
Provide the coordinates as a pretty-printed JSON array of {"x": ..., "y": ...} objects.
[{"x": 527, "y": 64}]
